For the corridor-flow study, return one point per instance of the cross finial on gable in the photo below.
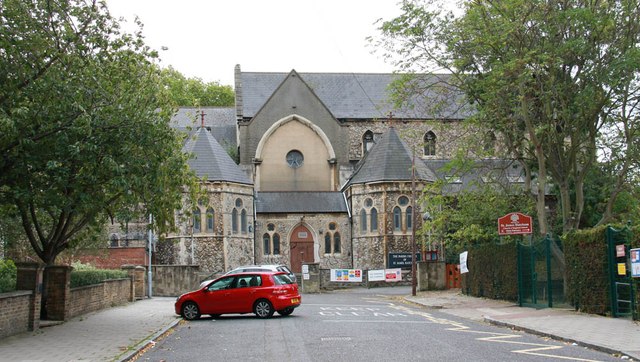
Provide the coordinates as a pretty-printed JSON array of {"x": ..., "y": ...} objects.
[
  {"x": 202, "y": 114},
  {"x": 390, "y": 118}
]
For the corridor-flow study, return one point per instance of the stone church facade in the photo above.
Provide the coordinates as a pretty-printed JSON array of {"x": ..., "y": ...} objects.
[{"x": 324, "y": 173}]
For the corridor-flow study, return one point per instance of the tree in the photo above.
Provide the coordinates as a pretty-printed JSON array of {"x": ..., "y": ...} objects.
[
  {"x": 547, "y": 76},
  {"x": 455, "y": 217},
  {"x": 194, "y": 92},
  {"x": 84, "y": 124}
]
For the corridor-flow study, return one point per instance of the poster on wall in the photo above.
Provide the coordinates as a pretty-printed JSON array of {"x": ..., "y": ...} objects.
[
  {"x": 385, "y": 275},
  {"x": 393, "y": 275},
  {"x": 635, "y": 263},
  {"x": 463, "y": 262},
  {"x": 375, "y": 275},
  {"x": 346, "y": 275}
]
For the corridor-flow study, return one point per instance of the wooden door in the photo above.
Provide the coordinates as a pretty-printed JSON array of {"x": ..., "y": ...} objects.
[{"x": 301, "y": 249}]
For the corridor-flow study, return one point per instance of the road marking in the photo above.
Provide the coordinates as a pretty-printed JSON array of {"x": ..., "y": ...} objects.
[
  {"x": 494, "y": 337},
  {"x": 332, "y": 339},
  {"x": 365, "y": 321}
]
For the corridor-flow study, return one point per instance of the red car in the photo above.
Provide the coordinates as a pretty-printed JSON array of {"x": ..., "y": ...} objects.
[{"x": 262, "y": 293}]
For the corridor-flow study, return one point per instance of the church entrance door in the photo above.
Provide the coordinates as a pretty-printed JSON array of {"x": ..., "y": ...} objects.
[{"x": 301, "y": 248}]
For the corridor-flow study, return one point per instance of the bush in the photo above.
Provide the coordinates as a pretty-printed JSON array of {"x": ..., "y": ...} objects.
[
  {"x": 8, "y": 275},
  {"x": 84, "y": 274}
]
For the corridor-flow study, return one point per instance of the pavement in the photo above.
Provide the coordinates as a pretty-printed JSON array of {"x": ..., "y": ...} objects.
[{"x": 120, "y": 333}]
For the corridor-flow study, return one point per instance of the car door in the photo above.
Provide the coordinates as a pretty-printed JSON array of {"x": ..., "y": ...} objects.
[
  {"x": 242, "y": 296},
  {"x": 216, "y": 296}
]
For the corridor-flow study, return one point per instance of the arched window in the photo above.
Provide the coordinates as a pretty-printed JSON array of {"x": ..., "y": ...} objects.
[
  {"x": 210, "y": 220},
  {"x": 409, "y": 218},
  {"x": 114, "y": 240},
  {"x": 489, "y": 142},
  {"x": 337, "y": 246},
  {"x": 367, "y": 142},
  {"x": 243, "y": 221},
  {"x": 374, "y": 219},
  {"x": 363, "y": 220},
  {"x": 430, "y": 144},
  {"x": 276, "y": 244},
  {"x": 266, "y": 244},
  {"x": 327, "y": 243},
  {"x": 397, "y": 219},
  {"x": 197, "y": 221},
  {"x": 234, "y": 221}
]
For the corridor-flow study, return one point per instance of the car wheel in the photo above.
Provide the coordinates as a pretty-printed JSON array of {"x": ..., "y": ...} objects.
[
  {"x": 285, "y": 312},
  {"x": 190, "y": 311},
  {"x": 263, "y": 308}
]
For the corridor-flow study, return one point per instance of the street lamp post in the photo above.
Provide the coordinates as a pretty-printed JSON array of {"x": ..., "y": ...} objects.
[{"x": 414, "y": 280}]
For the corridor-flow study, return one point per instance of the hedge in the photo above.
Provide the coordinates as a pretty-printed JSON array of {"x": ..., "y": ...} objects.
[
  {"x": 8, "y": 276},
  {"x": 492, "y": 272},
  {"x": 80, "y": 278}
]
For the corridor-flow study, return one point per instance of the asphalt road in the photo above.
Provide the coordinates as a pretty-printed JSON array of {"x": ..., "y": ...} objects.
[{"x": 357, "y": 325}]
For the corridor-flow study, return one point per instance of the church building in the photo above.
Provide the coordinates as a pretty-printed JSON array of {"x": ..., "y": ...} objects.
[{"x": 324, "y": 172}]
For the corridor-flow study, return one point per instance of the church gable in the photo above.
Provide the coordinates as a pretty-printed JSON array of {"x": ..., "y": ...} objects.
[{"x": 292, "y": 97}]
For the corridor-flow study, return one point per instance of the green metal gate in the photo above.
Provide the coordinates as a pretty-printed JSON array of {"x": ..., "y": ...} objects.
[
  {"x": 621, "y": 291},
  {"x": 541, "y": 270}
]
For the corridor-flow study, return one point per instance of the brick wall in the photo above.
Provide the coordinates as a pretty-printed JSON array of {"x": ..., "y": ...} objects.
[
  {"x": 14, "y": 312},
  {"x": 20, "y": 310},
  {"x": 114, "y": 258},
  {"x": 91, "y": 298}
]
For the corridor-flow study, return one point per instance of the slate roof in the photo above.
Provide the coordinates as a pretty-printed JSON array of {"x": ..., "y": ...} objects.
[
  {"x": 300, "y": 202},
  {"x": 220, "y": 120},
  {"x": 499, "y": 172},
  {"x": 211, "y": 161},
  {"x": 355, "y": 95},
  {"x": 390, "y": 159}
]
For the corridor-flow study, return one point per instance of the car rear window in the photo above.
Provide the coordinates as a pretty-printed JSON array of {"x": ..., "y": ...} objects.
[{"x": 282, "y": 279}]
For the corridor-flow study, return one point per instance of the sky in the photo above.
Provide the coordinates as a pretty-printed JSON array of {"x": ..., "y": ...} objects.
[{"x": 207, "y": 38}]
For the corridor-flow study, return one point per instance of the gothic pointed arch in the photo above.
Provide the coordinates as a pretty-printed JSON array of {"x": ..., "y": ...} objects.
[
  {"x": 294, "y": 118},
  {"x": 429, "y": 144}
]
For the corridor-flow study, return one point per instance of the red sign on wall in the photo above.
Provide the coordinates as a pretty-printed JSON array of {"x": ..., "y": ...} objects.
[{"x": 515, "y": 223}]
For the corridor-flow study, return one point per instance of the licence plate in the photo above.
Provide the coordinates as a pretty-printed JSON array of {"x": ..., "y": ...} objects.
[{"x": 295, "y": 300}]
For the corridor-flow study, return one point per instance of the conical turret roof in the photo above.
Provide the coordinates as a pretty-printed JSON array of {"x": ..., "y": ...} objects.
[
  {"x": 390, "y": 159},
  {"x": 211, "y": 161}
]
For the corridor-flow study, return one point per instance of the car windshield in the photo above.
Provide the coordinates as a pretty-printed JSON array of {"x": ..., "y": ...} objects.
[{"x": 282, "y": 279}]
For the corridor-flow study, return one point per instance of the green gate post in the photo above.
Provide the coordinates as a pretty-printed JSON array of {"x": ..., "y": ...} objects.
[
  {"x": 612, "y": 236},
  {"x": 520, "y": 289},
  {"x": 534, "y": 274}
]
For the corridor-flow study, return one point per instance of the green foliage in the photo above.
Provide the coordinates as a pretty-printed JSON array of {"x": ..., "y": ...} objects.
[
  {"x": 552, "y": 79},
  {"x": 601, "y": 181},
  {"x": 88, "y": 275},
  {"x": 492, "y": 272},
  {"x": 8, "y": 275},
  {"x": 471, "y": 217},
  {"x": 194, "y": 92},
  {"x": 84, "y": 125}
]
